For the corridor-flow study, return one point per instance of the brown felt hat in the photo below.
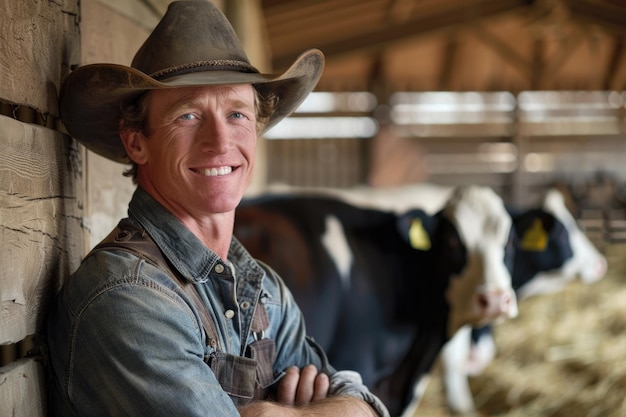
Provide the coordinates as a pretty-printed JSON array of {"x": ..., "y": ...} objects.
[{"x": 193, "y": 45}]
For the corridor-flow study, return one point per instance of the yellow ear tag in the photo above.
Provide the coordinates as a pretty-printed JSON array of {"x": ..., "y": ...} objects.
[
  {"x": 536, "y": 238},
  {"x": 418, "y": 237}
]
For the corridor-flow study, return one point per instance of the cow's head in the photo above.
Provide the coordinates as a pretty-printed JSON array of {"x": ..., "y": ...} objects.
[
  {"x": 586, "y": 262},
  {"x": 541, "y": 244},
  {"x": 482, "y": 292}
]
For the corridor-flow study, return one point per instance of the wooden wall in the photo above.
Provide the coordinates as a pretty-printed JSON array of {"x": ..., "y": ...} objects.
[
  {"x": 111, "y": 31},
  {"x": 41, "y": 188}
]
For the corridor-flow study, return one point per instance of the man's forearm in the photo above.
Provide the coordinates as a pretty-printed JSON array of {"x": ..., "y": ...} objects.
[{"x": 340, "y": 406}]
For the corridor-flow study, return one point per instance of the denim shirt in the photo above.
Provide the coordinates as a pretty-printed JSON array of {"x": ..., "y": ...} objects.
[{"x": 125, "y": 340}]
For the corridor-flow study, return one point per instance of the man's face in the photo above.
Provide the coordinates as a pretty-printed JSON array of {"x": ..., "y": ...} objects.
[{"x": 199, "y": 156}]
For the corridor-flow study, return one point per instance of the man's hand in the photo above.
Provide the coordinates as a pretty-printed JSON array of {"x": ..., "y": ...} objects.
[
  {"x": 304, "y": 392},
  {"x": 300, "y": 387}
]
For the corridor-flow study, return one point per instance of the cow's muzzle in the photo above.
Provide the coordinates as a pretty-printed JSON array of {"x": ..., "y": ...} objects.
[{"x": 496, "y": 304}]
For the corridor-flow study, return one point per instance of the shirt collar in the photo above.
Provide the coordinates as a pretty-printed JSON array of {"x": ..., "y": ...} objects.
[{"x": 181, "y": 247}]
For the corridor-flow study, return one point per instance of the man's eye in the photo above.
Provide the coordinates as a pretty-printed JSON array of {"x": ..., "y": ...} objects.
[
  {"x": 187, "y": 116},
  {"x": 237, "y": 115}
]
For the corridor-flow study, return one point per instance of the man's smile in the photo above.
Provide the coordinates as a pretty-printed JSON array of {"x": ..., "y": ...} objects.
[{"x": 214, "y": 172}]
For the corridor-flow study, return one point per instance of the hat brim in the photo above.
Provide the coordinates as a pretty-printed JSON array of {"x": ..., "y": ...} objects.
[{"x": 89, "y": 101}]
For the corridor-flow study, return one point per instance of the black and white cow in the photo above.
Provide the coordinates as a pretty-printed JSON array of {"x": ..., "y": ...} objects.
[
  {"x": 536, "y": 271},
  {"x": 571, "y": 255},
  {"x": 382, "y": 292}
]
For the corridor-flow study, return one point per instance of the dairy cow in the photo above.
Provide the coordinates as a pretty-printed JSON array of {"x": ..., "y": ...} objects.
[
  {"x": 382, "y": 292},
  {"x": 571, "y": 255},
  {"x": 536, "y": 272}
]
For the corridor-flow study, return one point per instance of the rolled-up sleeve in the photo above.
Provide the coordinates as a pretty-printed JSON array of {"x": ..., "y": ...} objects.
[
  {"x": 350, "y": 383},
  {"x": 295, "y": 348}
]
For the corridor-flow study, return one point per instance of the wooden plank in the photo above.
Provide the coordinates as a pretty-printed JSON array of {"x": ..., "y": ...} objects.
[
  {"x": 108, "y": 35},
  {"x": 41, "y": 209},
  {"x": 39, "y": 41},
  {"x": 145, "y": 14},
  {"x": 22, "y": 389}
]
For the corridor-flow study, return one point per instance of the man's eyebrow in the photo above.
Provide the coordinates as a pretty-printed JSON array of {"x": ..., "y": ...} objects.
[
  {"x": 186, "y": 99},
  {"x": 242, "y": 104}
]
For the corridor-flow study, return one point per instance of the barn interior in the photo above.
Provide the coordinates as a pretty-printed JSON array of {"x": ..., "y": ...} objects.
[{"x": 518, "y": 95}]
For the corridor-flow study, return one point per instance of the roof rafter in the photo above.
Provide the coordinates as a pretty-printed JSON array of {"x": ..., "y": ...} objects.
[{"x": 454, "y": 15}]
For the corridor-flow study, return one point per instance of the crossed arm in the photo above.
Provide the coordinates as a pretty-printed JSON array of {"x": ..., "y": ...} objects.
[{"x": 304, "y": 392}]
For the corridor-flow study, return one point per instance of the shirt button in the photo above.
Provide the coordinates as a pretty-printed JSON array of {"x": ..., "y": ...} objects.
[
  {"x": 245, "y": 305},
  {"x": 219, "y": 268},
  {"x": 229, "y": 314}
]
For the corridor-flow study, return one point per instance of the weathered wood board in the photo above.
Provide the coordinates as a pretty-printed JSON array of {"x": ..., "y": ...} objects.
[
  {"x": 41, "y": 211},
  {"x": 38, "y": 44},
  {"x": 22, "y": 389},
  {"x": 111, "y": 32},
  {"x": 108, "y": 36}
]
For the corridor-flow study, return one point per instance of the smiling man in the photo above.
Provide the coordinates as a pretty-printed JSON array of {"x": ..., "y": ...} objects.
[
  {"x": 196, "y": 156},
  {"x": 170, "y": 315}
]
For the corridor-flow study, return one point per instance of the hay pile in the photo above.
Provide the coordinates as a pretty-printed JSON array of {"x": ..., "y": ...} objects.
[{"x": 564, "y": 356}]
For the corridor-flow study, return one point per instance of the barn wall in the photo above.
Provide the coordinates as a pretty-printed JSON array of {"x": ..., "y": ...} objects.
[
  {"x": 111, "y": 31},
  {"x": 519, "y": 168},
  {"x": 317, "y": 162},
  {"x": 41, "y": 188},
  {"x": 56, "y": 199}
]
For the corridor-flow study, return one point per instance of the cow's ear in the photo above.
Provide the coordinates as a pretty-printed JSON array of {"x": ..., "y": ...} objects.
[
  {"x": 533, "y": 228},
  {"x": 416, "y": 228},
  {"x": 535, "y": 238},
  {"x": 558, "y": 245}
]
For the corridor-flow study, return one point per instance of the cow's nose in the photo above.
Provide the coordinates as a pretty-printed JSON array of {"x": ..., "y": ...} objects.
[{"x": 496, "y": 303}]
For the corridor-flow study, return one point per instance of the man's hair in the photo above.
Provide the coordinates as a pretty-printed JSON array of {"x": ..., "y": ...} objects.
[{"x": 134, "y": 116}]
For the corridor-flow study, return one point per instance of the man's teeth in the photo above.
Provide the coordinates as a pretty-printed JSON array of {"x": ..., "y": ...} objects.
[{"x": 214, "y": 172}]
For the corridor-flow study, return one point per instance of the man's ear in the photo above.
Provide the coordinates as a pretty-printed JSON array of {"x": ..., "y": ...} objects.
[{"x": 134, "y": 142}]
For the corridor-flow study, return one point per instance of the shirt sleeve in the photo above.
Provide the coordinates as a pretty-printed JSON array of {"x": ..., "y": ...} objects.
[
  {"x": 350, "y": 383},
  {"x": 294, "y": 347},
  {"x": 137, "y": 351}
]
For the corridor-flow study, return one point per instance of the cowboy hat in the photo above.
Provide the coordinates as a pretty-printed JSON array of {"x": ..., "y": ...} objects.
[{"x": 193, "y": 45}]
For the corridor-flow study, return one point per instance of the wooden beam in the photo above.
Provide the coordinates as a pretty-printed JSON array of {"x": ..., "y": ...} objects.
[
  {"x": 554, "y": 64},
  {"x": 610, "y": 16},
  {"x": 310, "y": 23},
  {"x": 289, "y": 7},
  {"x": 615, "y": 63},
  {"x": 449, "y": 62},
  {"x": 504, "y": 50},
  {"x": 537, "y": 65},
  {"x": 420, "y": 24}
]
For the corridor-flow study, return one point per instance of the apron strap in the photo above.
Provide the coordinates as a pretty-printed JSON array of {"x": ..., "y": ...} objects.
[{"x": 245, "y": 378}]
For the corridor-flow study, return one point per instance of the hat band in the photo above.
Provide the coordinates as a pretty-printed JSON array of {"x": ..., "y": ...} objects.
[{"x": 216, "y": 65}]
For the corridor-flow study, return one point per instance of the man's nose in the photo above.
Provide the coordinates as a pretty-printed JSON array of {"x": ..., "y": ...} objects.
[{"x": 214, "y": 137}]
